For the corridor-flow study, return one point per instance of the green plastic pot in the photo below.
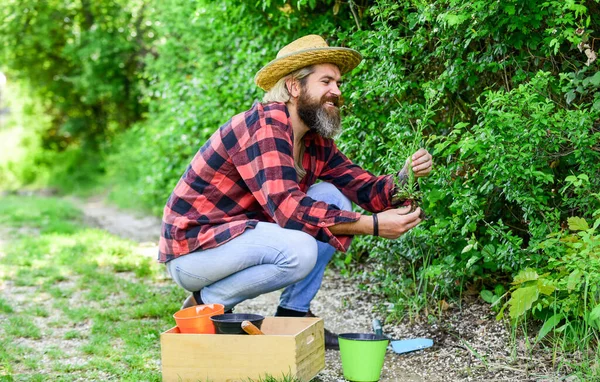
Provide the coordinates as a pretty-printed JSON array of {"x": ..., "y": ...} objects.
[{"x": 362, "y": 355}]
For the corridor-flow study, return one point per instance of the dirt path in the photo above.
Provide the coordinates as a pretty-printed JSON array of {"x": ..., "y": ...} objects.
[{"x": 470, "y": 345}]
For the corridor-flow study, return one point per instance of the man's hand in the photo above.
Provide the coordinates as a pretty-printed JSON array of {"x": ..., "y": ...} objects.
[
  {"x": 421, "y": 163},
  {"x": 392, "y": 223},
  {"x": 396, "y": 222}
]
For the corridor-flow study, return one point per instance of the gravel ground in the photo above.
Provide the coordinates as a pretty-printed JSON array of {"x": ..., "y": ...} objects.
[{"x": 469, "y": 344}]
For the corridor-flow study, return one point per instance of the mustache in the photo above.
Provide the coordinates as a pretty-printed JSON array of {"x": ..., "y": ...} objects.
[{"x": 336, "y": 100}]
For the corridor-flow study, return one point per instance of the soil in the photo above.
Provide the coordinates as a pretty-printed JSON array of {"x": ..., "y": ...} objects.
[{"x": 469, "y": 343}]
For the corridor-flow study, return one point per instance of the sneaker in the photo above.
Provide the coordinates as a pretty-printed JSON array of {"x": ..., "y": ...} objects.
[
  {"x": 309, "y": 314},
  {"x": 331, "y": 339}
]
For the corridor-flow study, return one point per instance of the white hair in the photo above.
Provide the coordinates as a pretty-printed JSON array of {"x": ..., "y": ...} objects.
[{"x": 279, "y": 92}]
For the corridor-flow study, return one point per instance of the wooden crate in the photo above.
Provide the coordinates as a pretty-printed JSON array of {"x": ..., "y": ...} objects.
[{"x": 291, "y": 346}]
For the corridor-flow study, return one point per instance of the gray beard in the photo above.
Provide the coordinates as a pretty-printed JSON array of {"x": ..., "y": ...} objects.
[
  {"x": 327, "y": 125},
  {"x": 315, "y": 116}
]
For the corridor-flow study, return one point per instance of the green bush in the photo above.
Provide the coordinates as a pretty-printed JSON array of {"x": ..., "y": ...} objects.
[
  {"x": 83, "y": 62},
  {"x": 506, "y": 134},
  {"x": 564, "y": 293},
  {"x": 20, "y": 139}
]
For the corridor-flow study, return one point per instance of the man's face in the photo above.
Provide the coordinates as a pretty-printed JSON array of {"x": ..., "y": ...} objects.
[{"x": 319, "y": 101}]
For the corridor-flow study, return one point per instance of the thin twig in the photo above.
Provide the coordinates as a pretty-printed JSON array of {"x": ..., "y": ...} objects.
[
  {"x": 506, "y": 78},
  {"x": 354, "y": 14}
]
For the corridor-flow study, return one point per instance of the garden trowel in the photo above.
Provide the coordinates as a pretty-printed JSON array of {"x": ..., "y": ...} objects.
[{"x": 403, "y": 346}]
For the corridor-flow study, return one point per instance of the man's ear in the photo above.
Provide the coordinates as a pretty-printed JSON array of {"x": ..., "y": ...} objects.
[{"x": 293, "y": 87}]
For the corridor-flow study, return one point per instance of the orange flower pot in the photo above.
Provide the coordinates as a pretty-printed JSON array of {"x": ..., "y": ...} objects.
[{"x": 196, "y": 319}]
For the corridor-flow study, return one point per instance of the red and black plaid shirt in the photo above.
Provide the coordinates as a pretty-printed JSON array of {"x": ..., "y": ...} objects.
[{"x": 245, "y": 174}]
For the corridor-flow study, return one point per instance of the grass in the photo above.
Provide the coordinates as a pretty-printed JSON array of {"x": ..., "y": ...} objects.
[{"x": 77, "y": 303}]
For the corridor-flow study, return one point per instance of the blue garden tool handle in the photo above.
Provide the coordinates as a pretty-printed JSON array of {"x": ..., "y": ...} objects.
[
  {"x": 377, "y": 327},
  {"x": 402, "y": 346}
]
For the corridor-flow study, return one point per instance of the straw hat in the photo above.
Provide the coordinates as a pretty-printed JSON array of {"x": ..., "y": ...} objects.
[{"x": 305, "y": 51}]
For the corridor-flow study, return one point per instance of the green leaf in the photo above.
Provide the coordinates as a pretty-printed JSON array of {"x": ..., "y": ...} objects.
[
  {"x": 499, "y": 290},
  {"x": 487, "y": 296},
  {"x": 525, "y": 275},
  {"x": 460, "y": 125},
  {"x": 453, "y": 20},
  {"x": 545, "y": 287},
  {"x": 570, "y": 178},
  {"x": 467, "y": 248},
  {"x": 554, "y": 43},
  {"x": 577, "y": 224},
  {"x": 595, "y": 79},
  {"x": 573, "y": 279},
  {"x": 595, "y": 313},
  {"x": 472, "y": 261},
  {"x": 435, "y": 195},
  {"x": 583, "y": 177},
  {"x": 521, "y": 300},
  {"x": 549, "y": 325},
  {"x": 488, "y": 249}
]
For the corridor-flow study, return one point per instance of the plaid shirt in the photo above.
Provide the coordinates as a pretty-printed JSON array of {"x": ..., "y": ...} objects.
[{"x": 245, "y": 174}]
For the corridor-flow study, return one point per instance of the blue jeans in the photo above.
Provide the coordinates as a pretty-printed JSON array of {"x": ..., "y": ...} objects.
[{"x": 261, "y": 260}]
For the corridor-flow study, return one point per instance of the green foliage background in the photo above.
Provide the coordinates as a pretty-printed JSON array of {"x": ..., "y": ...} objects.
[{"x": 134, "y": 88}]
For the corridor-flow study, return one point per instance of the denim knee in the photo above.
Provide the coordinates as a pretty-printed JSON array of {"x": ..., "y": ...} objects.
[
  {"x": 328, "y": 193},
  {"x": 301, "y": 254}
]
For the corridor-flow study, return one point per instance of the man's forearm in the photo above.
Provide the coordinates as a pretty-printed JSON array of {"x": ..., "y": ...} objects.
[{"x": 363, "y": 226}]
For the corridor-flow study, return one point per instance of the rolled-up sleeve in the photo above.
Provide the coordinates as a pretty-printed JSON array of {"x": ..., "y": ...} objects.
[{"x": 373, "y": 193}]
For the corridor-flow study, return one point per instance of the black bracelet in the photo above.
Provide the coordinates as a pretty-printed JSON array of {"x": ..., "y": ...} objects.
[{"x": 375, "y": 225}]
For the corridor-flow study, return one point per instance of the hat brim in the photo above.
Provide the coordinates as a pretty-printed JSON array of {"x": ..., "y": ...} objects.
[{"x": 345, "y": 59}]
